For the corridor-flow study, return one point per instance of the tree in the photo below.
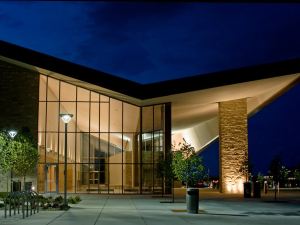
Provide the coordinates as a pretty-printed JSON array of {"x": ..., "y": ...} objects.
[
  {"x": 5, "y": 155},
  {"x": 297, "y": 175},
  {"x": 165, "y": 171},
  {"x": 24, "y": 156},
  {"x": 187, "y": 165},
  {"x": 283, "y": 175}
]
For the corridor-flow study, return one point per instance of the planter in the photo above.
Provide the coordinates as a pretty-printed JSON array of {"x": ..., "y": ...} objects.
[
  {"x": 192, "y": 200},
  {"x": 247, "y": 190}
]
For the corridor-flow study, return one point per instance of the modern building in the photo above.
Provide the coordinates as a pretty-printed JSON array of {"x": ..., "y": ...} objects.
[{"x": 121, "y": 130}]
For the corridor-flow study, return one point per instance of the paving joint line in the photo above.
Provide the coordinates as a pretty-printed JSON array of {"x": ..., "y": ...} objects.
[
  {"x": 143, "y": 219},
  {"x": 51, "y": 221},
  {"x": 99, "y": 214}
]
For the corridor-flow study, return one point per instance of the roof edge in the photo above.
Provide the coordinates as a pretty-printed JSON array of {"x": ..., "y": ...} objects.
[{"x": 153, "y": 90}]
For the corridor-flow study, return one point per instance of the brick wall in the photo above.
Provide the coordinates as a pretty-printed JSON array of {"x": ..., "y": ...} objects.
[
  {"x": 19, "y": 92},
  {"x": 233, "y": 144}
]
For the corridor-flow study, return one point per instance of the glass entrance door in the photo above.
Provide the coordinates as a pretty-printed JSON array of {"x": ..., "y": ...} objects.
[{"x": 51, "y": 182}]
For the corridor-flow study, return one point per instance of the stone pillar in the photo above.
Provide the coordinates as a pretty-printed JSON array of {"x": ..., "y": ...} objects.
[{"x": 233, "y": 149}]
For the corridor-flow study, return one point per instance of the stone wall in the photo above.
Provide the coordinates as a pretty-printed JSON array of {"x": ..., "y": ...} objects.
[{"x": 233, "y": 133}]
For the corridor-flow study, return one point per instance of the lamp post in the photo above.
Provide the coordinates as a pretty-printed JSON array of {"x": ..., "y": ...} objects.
[
  {"x": 12, "y": 134},
  {"x": 66, "y": 118}
]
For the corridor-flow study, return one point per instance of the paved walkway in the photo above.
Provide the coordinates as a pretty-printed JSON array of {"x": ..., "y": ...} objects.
[{"x": 147, "y": 210}]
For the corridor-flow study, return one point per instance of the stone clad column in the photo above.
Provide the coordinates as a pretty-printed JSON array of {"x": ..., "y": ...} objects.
[{"x": 233, "y": 137}]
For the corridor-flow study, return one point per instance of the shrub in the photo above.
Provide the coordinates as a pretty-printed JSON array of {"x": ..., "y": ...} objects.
[
  {"x": 74, "y": 200},
  {"x": 59, "y": 199},
  {"x": 3, "y": 195},
  {"x": 77, "y": 198}
]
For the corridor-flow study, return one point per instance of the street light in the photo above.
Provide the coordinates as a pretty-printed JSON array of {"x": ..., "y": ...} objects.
[
  {"x": 12, "y": 134},
  {"x": 66, "y": 118}
]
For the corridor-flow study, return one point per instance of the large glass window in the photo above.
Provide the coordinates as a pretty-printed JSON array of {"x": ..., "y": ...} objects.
[{"x": 112, "y": 146}]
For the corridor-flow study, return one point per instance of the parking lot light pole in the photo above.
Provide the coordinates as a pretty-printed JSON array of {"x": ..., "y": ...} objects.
[
  {"x": 66, "y": 118},
  {"x": 12, "y": 134}
]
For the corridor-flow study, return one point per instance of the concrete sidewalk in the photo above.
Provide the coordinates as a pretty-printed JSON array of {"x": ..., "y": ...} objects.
[{"x": 146, "y": 210}]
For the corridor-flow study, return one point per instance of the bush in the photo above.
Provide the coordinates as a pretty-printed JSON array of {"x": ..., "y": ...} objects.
[
  {"x": 77, "y": 198},
  {"x": 57, "y": 203},
  {"x": 59, "y": 199},
  {"x": 3, "y": 195},
  {"x": 74, "y": 200}
]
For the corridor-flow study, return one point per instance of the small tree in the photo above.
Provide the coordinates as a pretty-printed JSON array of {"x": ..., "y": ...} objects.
[
  {"x": 297, "y": 176},
  {"x": 24, "y": 156},
  {"x": 187, "y": 165},
  {"x": 5, "y": 160},
  {"x": 165, "y": 171},
  {"x": 5, "y": 155}
]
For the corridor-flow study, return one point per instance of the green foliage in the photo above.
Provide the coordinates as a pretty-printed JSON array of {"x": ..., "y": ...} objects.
[
  {"x": 297, "y": 174},
  {"x": 74, "y": 200},
  {"x": 24, "y": 155},
  {"x": 3, "y": 195},
  {"x": 77, "y": 198},
  {"x": 19, "y": 154},
  {"x": 5, "y": 153},
  {"x": 283, "y": 174},
  {"x": 59, "y": 199},
  {"x": 165, "y": 166},
  {"x": 187, "y": 165}
]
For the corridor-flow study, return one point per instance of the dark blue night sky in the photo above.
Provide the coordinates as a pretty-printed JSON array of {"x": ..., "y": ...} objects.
[{"x": 149, "y": 42}]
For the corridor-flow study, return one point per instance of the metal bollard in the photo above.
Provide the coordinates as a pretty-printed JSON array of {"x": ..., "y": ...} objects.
[
  {"x": 38, "y": 203},
  {"x": 27, "y": 203},
  {"x": 18, "y": 204},
  {"x": 14, "y": 198},
  {"x": 9, "y": 205},
  {"x": 21, "y": 199},
  {"x": 5, "y": 207},
  {"x": 23, "y": 207},
  {"x": 30, "y": 205}
]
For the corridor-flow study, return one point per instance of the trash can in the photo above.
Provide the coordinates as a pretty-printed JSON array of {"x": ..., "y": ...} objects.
[
  {"x": 247, "y": 190},
  {"x": 256, "y": 190},
  {"x": 192, "y": 200}
]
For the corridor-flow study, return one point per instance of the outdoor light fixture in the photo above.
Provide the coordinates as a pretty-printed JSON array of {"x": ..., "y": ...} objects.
[
  {"x": 66, "y": 118},
  {"x": 12, "y": 133}
]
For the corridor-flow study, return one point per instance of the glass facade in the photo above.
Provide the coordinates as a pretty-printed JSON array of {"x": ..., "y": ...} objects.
[{"x": 113, "y": 146}]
